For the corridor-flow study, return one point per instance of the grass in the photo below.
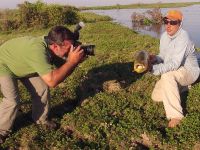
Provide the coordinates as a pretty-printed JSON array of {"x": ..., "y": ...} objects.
[
  {"x": 91, "y": 17},
  {"x": 141, "y": 5},
  {"x": 103, "y": 104}
]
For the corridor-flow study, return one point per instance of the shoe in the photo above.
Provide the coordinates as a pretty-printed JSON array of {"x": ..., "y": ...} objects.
[
  {"x": 2, "y": 139},
  {"x": 174, "y": 122},
  {"x": 185, "y": 88},
  {"x": 48, "y": 125}
]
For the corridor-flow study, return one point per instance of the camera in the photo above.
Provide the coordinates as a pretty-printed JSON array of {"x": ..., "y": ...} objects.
[{"x": 88, "y": 49}]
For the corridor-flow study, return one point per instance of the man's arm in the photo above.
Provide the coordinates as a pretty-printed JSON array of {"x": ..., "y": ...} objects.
[
  {"x": 175, "y": 61},
  {"x": 56, "y": 76}
]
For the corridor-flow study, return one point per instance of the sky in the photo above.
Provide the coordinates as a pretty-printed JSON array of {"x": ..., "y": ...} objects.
[{"x": 13, "y": 3}]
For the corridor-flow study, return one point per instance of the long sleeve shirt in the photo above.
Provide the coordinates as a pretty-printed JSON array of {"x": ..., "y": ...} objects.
[{"x": 176, "y": 51}]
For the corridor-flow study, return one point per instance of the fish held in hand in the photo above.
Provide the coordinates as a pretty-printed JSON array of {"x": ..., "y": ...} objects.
[{"x": 141, "y": 61}]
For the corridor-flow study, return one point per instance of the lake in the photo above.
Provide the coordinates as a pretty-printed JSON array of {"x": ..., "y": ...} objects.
[
  {"x": 191, "y": 22},
  {"x": 78, "y": 3}
]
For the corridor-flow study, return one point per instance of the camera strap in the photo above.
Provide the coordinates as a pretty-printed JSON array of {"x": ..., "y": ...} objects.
[{"x": 48, "y": 51}]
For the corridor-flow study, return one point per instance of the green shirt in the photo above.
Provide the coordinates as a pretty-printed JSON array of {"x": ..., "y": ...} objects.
[{"x": 24, "y": 56}]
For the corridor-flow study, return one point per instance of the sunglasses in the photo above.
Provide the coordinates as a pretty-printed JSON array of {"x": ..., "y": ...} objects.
[{"x": 171, "y": 22}]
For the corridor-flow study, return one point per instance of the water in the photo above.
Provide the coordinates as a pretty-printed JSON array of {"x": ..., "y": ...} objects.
[
  {"x": 191, "y": 22},
  {"x": 78, "y": 3}
]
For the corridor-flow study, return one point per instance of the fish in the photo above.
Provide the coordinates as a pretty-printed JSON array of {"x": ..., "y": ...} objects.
[{"x": 141, "y": 61}]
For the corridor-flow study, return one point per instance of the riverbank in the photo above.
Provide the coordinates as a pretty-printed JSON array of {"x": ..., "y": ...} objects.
[
  {"x": 140, "y": 5},
  {"x": 124, "y": 17},
  {"x": 103, "y": 104}
]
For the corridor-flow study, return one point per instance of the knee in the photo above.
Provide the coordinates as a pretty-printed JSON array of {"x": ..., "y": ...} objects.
[
  {"x": 41, "y": 91},
  {"x": 156, "y": 95},
  {"x": 15, "y": 103},
  {"x": 166, "y": 77},
  {"x": 10, "y": 102},
  {"x": 153, "y": 96}
]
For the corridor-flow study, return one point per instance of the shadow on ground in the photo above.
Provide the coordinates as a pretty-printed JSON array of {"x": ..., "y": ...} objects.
[
  {"x": 99, "y": 78},
  {"x": 120, "y": 73}
]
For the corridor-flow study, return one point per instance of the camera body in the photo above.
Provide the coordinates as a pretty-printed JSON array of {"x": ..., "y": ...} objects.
[{"x": 88, "y": 49}]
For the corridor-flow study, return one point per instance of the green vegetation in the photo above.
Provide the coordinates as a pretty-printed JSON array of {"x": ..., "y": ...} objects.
[
  {"x": 37, "y": 15},
  {"x": 154, "y": 17},
  {"x": 103, "y": 104},
  {"x": 87, "y": 17},
  {"x": 141, "y": 5},
  {"x": 91, "y": 17}
]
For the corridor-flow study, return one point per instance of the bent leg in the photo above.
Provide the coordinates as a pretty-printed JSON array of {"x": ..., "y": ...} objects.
[
  {"x": 9, "y": 104},
  {"x": 40, "y": 98},
  {"x": 171, "y": 83},
  {"x": 157, "y": 94}
]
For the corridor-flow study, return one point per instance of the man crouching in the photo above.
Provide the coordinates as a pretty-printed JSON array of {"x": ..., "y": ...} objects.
[{"x": 177, "y": 64}]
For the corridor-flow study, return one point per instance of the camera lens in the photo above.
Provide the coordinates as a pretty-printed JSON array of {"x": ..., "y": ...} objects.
[{"x": 88, "y": 49}]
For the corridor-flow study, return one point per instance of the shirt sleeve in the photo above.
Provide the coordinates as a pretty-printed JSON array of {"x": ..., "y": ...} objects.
[
  {"x": 159, "y": 59},
  {"x": 174, "y": 62}
]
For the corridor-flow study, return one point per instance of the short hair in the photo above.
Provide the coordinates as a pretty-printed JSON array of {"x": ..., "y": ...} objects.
[{"x": 58, "y": 34}]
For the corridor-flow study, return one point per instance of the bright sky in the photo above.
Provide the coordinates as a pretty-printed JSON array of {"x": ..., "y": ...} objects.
[{"x": 78, "y": 3}]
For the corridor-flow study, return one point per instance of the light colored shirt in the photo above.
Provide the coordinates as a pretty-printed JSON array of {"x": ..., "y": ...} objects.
[{"x": 176, "y": 51}]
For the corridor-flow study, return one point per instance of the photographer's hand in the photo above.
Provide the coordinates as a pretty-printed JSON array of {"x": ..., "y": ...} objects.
[{"x": 76, "y": 55}]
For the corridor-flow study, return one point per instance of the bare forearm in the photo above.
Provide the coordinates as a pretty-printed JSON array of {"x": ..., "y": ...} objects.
[
  {"x": 75, "y": 56},
  {"x": 58, "y": 75}
]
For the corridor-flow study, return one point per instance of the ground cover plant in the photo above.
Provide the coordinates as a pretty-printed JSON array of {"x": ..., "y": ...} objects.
[{"x": 103, "y": 104}]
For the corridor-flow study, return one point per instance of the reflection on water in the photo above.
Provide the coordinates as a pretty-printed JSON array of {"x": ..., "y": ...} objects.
[
  {"x": 157, "y": 29},
  {"x": 191, "y": 22}
]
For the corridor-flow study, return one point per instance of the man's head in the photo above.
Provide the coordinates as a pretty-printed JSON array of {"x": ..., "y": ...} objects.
[
  {"x": 172, "y": 21},
  {"x": 60, "y": 40}
]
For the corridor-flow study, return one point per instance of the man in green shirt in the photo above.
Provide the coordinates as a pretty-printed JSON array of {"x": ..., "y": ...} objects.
[{"x": 30, "y": 60}]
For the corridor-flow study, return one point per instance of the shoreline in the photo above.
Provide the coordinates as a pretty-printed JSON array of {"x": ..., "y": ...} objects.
[{"x": 139, "y": 5}]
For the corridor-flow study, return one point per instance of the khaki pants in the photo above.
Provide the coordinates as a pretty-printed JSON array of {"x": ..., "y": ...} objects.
[
  {"x": 167, "y": 90},
  {"x": 9, "y": 105}
]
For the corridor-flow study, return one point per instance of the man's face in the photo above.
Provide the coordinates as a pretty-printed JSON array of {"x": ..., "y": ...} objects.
[
  {"x": 171, "y": 26},
  {"x": 63, "y": 50}
]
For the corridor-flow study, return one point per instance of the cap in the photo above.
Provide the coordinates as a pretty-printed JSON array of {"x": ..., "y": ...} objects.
[{"x": 174, "y": 15}]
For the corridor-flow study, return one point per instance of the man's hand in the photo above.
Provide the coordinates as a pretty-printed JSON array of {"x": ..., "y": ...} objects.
[
  {"x": 152, "y": 59},
  {"x": 76, "y": 55}
]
